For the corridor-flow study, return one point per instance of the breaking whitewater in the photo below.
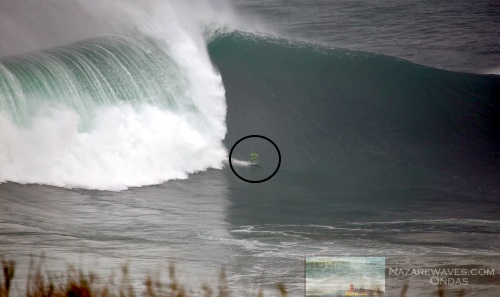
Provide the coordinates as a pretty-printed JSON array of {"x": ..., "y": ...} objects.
[
  {"x": 138, "y": 107},
  {"x": 110, "y": 113}
]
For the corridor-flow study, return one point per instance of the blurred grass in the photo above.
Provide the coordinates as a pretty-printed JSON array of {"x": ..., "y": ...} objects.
[{"x": 77, "y": 283}]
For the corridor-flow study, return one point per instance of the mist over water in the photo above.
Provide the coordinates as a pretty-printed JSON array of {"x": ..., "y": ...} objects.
[
  {"x": 61, "y": 108},
  {"x": 33, "y": 25}
]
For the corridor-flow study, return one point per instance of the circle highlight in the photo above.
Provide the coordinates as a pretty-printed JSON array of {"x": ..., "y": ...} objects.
[{"x": 249, "y": 180}]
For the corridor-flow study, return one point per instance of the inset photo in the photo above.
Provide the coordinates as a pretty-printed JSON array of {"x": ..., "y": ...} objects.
[{"x": 345, "y": 276}]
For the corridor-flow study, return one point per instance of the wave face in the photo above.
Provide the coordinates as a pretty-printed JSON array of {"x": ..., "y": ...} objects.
[
  {"x": 109, "y": 113},
  {"x": 360, "y": 120},
  {"x": 114, "y": 112}
]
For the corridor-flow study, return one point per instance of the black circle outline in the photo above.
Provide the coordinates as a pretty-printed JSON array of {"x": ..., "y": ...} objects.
[{"x": 255, "y": 181}]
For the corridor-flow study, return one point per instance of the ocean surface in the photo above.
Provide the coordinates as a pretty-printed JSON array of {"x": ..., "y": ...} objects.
[{"x": 115, "y": 139}]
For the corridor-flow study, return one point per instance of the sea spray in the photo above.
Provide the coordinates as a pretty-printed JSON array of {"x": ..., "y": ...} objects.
[{"x": 139, "y": 107}]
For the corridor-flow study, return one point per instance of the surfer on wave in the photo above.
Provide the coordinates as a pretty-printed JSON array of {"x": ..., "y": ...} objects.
[{"x": 253, "y": 158}]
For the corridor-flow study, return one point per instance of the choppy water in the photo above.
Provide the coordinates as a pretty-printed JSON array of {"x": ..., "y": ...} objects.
[{"x": 455, "y": 35}]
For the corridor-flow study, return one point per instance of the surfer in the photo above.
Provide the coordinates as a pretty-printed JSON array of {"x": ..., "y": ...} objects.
[{"x": 253, "y": 157}]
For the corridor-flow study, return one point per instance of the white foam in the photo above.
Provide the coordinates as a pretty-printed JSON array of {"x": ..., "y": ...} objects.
[
  {"x": 241, "y": 163},
  {"x": 126, "y": 147}
]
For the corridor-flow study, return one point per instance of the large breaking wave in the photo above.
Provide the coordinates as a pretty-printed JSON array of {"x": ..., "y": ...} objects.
[
  {"x": 109, "y": 113},
  {"x": 137, "y": 109}
]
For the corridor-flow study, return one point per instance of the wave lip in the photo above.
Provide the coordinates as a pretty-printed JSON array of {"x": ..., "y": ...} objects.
[{"x": 109, "y": 113}]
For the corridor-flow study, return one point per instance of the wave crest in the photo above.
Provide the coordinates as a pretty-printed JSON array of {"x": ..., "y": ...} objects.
[{"x": 109, "y": 113}]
